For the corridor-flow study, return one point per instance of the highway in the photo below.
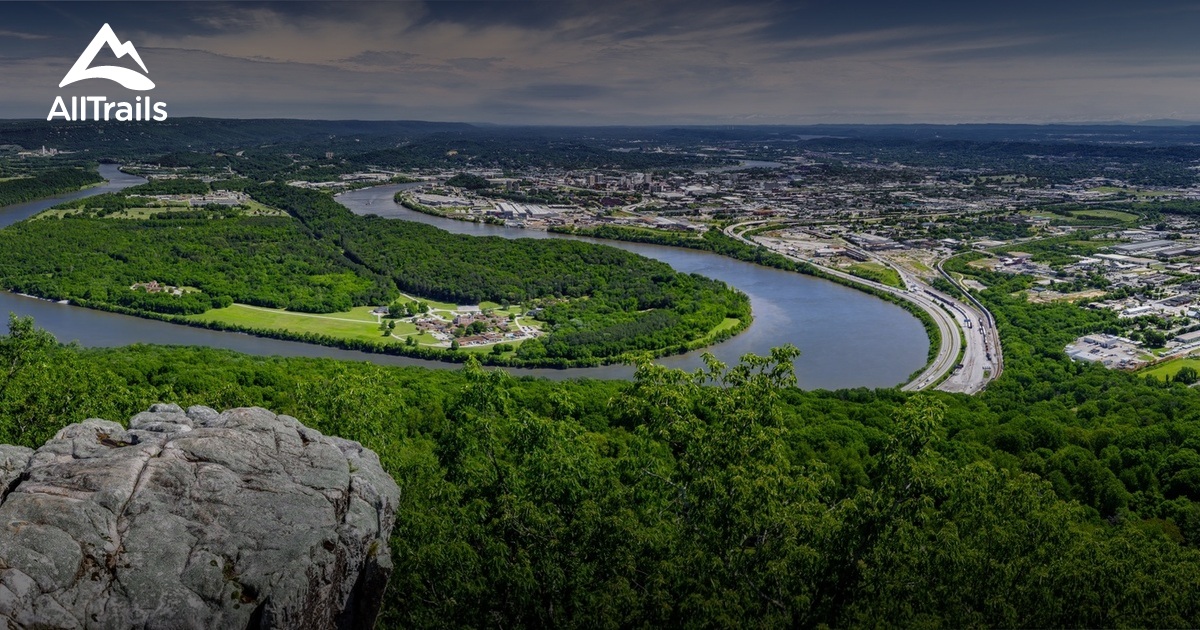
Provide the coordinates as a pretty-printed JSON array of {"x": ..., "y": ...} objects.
[
  {"x": 955, "y": 320},
  {"x": 988, "y": 354}
]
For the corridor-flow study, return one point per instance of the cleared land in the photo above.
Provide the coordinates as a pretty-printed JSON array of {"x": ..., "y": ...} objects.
[
  {"x": 1111, "y": 190},
  {"x": 253, "y": 209},
  {"x": 1167, "y": 370},
  {"x": 878, "y": 273},
  {"x": 357, "y": 323},
  {"x": 1116, "y": 215}
]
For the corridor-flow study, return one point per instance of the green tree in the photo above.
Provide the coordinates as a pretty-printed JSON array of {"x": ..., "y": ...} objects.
[
  {"x": 1186, "y": 375},
  {"x": 43, "y": 388}
]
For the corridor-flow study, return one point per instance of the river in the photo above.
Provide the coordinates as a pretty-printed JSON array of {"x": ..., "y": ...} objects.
[{"x": 847, "y": 338}]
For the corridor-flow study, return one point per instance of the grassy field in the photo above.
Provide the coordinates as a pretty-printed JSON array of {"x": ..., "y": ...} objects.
[
  {"x": 254, "y": 209},
  {"x": 1164, "y": 371},
  {"x": 1082, "y": 216},
  {"x": 357, "y": 323},
  {"x": 1116, "y": 215},
  {"x": 1110, "y": 190},
  {"x": 360, "y": 323},
  {"x": 729, "y": 323},
  {"x": 878, "y": 273},
  {"x": 434, "y": 305}
]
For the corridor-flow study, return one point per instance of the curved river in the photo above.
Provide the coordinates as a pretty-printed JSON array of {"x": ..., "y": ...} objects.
[{"x": 847, "y": 338}]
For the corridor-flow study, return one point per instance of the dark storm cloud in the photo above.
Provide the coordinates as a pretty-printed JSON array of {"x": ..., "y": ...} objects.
[{"x": 629, "y": 61}]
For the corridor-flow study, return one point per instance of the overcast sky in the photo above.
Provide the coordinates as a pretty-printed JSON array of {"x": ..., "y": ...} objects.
[{"x": 628, "y": 62}]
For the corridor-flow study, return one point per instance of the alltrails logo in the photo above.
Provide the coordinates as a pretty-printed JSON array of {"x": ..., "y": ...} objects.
[{"x": 100, "y": 107}]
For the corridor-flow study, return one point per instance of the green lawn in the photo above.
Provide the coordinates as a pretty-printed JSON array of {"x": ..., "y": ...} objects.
[
  {"x": 513, "y": 309},
  {"x": 254, "y": 209},
  {"x": 729, "y": 323},
  {"x": 433, "y": 304},
  {"x": 357, "y": 323},
  {"x": 1140, "y": 193},
  {"x": 1115, "y": 215},
  {"x": 878, "y": 273},
  {"x": 1164, "y": 371}
]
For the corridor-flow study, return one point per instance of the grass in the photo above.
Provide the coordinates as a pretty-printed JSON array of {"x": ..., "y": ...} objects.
[
  {"x": 357, "y": 323},
  {"x": 1116, "y": 215},
  {"x": 1110, "y": 190},
  {"x": 253, "y": 209},
  {"x": 1082, "y": 216},
  {"x": 919, "y": 266},
  {"x": 1167, "y": 370},
  {"x": 728, "y": 324},
  {"x": 877, "y": 272},
  {"x": 433, "y": 304}
]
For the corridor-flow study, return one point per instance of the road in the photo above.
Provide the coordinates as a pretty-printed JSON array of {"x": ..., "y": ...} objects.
[
  {"x": 956, "y": 321},
  {"x": 985, "y": 358}
]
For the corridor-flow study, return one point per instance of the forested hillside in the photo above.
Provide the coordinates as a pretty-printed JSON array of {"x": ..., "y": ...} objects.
[
  {"x": 44, "y": 184},
  {"x": 723, "y": 499},
  {"x": 262, "y": 261}
]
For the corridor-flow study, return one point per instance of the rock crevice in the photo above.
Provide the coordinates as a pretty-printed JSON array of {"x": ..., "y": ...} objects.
[{"x": 194, "y": 519}]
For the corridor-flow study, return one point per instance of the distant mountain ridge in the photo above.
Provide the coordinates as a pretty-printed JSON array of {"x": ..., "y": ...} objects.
[
  {"x": 208, "y": 134},
  {"x": 393, "y": 143}
]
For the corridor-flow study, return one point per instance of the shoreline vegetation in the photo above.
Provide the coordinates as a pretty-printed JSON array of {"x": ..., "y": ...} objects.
[
  {"x": 719, "y": 244},
  {"x": 46, "y": 184},
  {"x": 716, "y": 242},
  {"x": 718, "y": 334},
  {"x": 406, "y": 200},
  {"x": 597, "y": 305}
]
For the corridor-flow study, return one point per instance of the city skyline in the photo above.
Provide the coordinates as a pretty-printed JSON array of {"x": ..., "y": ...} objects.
[{"x": 707, "y": 62}]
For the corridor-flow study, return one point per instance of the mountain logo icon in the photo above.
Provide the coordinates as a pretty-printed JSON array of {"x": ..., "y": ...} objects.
[{"x": 130, "y": 79}]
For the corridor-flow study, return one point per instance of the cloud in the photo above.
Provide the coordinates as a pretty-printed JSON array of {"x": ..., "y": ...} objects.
[
  {"x": 380, "y": 58},
  {"x": 23, "y": 36},
  {"x": 559, "y": 91},
  {"x": 626, "y": 61}
]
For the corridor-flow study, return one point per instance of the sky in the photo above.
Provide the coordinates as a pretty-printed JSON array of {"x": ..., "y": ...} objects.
[{"x": 608, "y": 62}]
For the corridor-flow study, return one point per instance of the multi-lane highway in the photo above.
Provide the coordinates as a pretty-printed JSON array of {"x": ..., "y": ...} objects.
[{"x": 957, "y": 321}]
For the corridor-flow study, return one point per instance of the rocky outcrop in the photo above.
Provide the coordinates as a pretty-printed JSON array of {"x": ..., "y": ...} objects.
[{"x": 194, "y": 519}]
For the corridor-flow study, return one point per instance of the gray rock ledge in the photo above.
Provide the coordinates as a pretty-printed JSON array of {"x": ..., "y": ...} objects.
[{"x": 194, "y": 519}]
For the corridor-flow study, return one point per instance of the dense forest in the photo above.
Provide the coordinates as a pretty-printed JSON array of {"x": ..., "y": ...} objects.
[
  {"x": 600, "y": 301},
  {"x": 263, "y": 261},
  {"x": 44, "y": 184},
  {"x": 726, "y": 497}
]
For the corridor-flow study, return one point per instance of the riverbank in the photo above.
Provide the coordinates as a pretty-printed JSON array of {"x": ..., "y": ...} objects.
[
  {"x": 407, "y": 201},
  {"x": 717, "y": 242},
  {"x": 732, "y": 249},
  {"x": 721, "y": 332},
  {"x": 847, "y": 338},
  {"x": 600, "y": 305}
]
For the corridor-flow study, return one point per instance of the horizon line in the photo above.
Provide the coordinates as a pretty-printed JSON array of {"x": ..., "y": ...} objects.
[{"x": 1166, "y": 123}]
